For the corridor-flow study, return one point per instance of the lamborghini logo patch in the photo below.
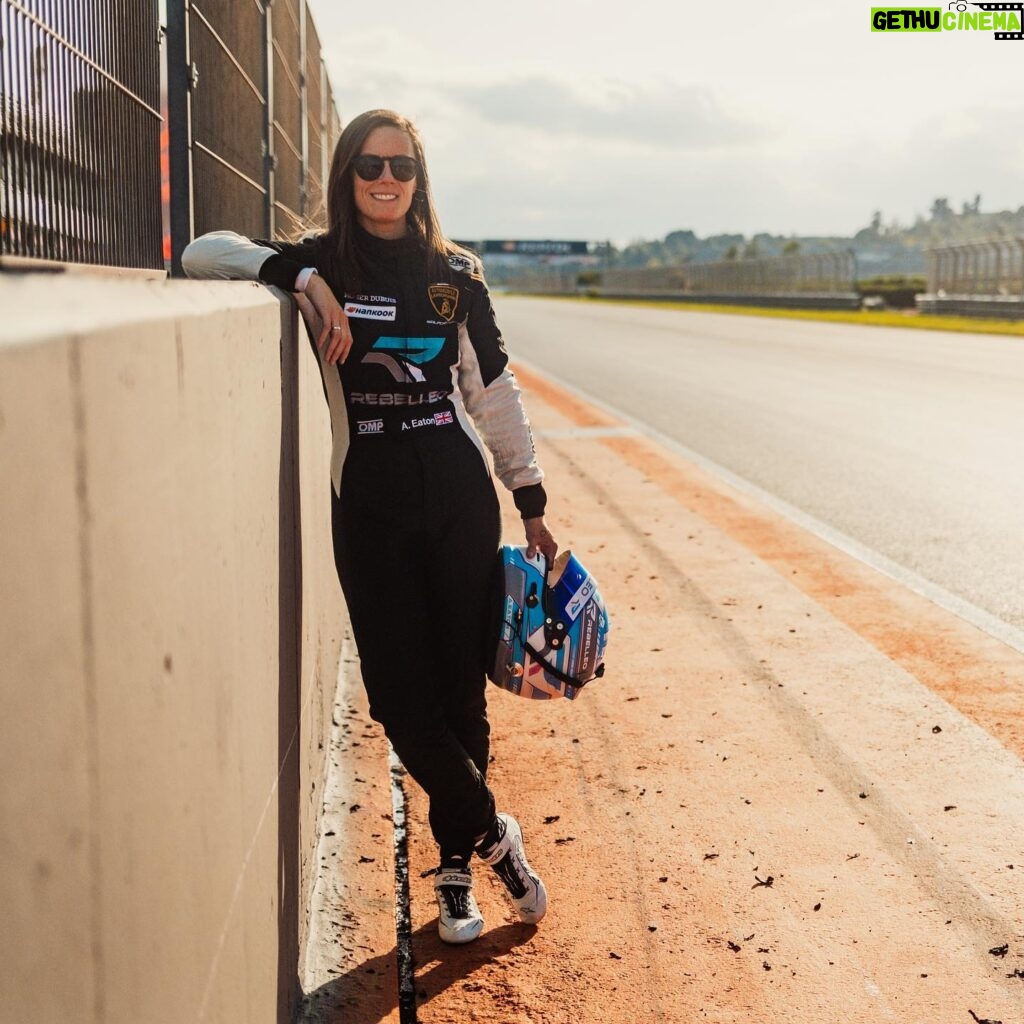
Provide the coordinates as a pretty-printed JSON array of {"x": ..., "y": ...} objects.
[{"x": 444, "y": 298}]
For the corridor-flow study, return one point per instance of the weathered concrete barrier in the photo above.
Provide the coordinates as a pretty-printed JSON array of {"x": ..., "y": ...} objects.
[{"x": 170, "y": 626}]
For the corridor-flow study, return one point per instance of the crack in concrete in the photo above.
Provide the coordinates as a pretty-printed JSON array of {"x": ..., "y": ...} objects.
[{"x": 92, "y": 742}]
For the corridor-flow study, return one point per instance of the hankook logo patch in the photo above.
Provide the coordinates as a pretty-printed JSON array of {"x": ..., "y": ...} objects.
[{"x": 364, "y": 312}]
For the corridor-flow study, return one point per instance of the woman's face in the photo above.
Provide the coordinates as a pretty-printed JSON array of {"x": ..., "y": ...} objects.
[{"x": 382, "y": 204}]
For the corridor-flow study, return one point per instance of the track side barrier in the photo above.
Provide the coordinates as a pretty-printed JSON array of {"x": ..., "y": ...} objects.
[
  {"x": 813, "y": 281},
  {"x": 984, "y": 279},
  {"x": 170, "y": 628}
]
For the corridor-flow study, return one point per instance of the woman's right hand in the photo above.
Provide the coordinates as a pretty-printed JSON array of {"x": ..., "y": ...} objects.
[{"x": 326, "y": 319}]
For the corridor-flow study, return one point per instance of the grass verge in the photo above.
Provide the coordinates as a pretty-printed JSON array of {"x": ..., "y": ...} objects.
[{"x": 863, "y": 318}]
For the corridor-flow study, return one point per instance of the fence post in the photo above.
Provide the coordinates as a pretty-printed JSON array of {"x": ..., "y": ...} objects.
[
  {"x": 304, "y": 210},
  {"x": 179, "y": 129},
  {"x": 326, "y": 150},
  {"x": 977, "y": 252},
  {"x": 269, "y": 159}
]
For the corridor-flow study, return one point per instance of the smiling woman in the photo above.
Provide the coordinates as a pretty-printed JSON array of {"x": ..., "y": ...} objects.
[
  {"x": 378, "y": 182},
  {"x": 385, "y": 185},
  {"x": 410, "y": 354}
]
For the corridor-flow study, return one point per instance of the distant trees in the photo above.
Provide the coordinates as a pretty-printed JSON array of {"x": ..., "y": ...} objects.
[
  {"x": 888, "y": 241},
  {"x": 975, "y": 207},
  {"x": 681, "y": 239},
  {"x": 941, "y": 210},
  {"x": 873, "y": 230}
]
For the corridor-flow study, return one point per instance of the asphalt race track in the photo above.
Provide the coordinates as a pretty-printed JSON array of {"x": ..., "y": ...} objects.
[{"x": 910, "y": 443}]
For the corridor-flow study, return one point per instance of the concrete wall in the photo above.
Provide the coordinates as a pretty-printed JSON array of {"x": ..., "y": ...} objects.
[{"x": 170, "y": 626}]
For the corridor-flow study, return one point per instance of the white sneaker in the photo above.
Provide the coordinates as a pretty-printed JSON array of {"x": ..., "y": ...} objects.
[
  {"x": 508, "y": 860},
  {"x": 458, "y": 917}
]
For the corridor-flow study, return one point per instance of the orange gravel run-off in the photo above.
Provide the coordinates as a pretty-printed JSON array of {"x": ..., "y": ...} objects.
[{"x": 795, "y": 796}]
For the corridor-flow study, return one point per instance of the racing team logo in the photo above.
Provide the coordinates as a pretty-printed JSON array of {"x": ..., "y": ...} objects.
[
  {"x": 444, "y": 298},
  {"x": 403, "y": 357}
]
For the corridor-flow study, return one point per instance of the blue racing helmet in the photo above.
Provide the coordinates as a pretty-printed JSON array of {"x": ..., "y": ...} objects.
[{"x": 553, "y": 627}]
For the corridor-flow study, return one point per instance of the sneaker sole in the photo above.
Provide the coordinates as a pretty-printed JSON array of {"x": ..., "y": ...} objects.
[{"x": 462, "y": 936}]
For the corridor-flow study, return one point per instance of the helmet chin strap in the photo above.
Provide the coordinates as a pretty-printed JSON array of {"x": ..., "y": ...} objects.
[{"x": 557, "y": 672}]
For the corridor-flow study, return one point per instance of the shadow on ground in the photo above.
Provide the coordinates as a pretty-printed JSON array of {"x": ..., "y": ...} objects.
[{"x": 368, "y": 992}]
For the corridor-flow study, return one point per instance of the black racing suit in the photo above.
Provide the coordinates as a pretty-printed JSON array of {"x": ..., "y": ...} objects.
[{"x": 415, "y": 517}]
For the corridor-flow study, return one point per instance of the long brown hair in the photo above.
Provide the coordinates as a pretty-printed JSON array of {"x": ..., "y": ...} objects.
[{"x": 421, "y": 219}]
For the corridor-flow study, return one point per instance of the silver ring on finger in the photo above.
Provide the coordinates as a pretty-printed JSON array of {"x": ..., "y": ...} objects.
[{"x": 335, "y": 327}]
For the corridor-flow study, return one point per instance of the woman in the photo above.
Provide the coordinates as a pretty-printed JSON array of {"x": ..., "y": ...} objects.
[{"x": 408, "y": 347}]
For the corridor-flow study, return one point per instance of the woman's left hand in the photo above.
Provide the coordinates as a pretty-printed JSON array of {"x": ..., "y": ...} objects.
[
  {"x": 326, "y": 320},
  {"x": 538, "y": 538}
]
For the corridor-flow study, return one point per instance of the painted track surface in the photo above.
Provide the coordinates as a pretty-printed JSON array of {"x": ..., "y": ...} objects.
[
  {"x": 909, "y": 442},
  {"x": 773, "y": 709}
]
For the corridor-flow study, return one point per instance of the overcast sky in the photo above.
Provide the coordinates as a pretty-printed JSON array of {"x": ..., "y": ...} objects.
[{"x": 597, "y": 120}]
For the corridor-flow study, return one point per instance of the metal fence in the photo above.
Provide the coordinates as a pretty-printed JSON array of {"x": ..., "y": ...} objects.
[
  {"x": 539, "y": 280},
  {"x": 100, "y": 164},
  {"x": 818, "y": 273},
  {"x": 991, "y": 268},
  {"x": 253, "y": 122},
  {"x": 645, "y": 280},
  {"x": 814, "y": 281},
  {"x": 80, "y": 131}
]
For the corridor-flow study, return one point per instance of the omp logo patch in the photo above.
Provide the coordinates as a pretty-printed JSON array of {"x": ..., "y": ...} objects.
[
  {"x": 364, "y": 312},
  {"x": 369, "y": 426},
  {"x": 403, "y": 357},
  {"x": 459, "y": 262}
]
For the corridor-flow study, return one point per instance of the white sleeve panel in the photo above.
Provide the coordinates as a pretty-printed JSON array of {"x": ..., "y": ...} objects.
[
  {"x": 497, "y": 411},
  {"x": 224, "y": 255}
]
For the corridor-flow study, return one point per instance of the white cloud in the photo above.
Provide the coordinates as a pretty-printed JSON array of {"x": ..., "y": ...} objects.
[
  {"x": 664, "y": 115},
  {"x": 601, "y": 121}
]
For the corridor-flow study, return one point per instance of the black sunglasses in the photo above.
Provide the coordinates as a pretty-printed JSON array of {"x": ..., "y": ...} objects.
[{"x": 370, "y": 168}]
